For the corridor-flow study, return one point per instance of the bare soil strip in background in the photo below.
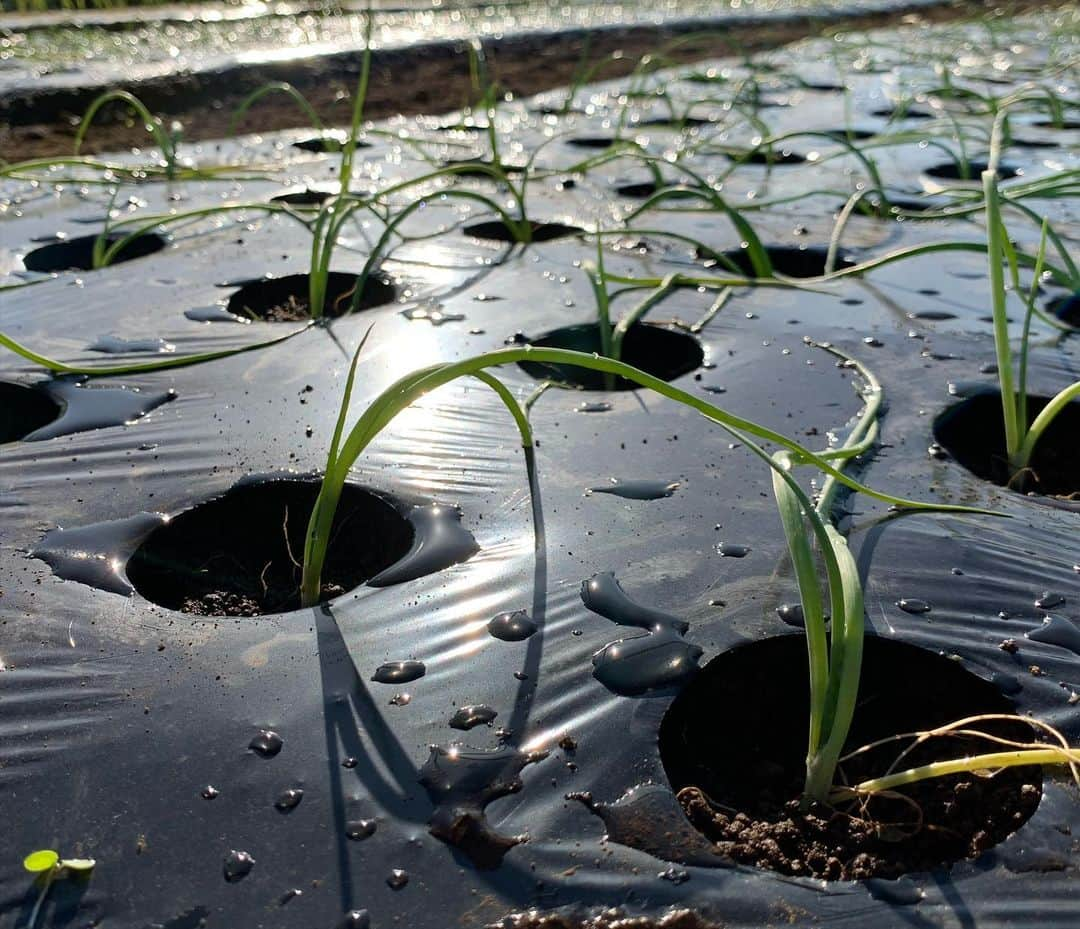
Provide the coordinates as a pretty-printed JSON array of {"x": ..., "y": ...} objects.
[{"x": 427, "y": 78}]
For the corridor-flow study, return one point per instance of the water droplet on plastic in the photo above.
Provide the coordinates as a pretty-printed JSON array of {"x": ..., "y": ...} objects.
[
  {"x": 792, "y": 614},
  {"x": 237, "y": 866},
  {"x": 289, "y": 799},
  {"x": 913, "y": 605},
  {"x": 733, "y": 550},
  {"x": 399, "y": 672},
  {"x": 472, "y": 715},
  {"x": 359, "y": 829},
  {"x": 1057, "y": 630},
  {"x": 1049, "y": 600},
  {"x": 515, "y": 626},
  {"x": 397, "y": 879},
  {"x": 267, "y": 743},
  {"x": 637, "y": 490}
]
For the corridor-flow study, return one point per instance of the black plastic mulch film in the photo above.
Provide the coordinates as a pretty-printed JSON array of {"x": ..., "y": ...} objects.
[{"x": 127, "y": 726}]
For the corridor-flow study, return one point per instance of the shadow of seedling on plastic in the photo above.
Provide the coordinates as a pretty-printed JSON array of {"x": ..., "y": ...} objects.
[{"x": 453, "y": 807}]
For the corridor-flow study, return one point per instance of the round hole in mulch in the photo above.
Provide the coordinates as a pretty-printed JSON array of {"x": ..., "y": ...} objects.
[
  {"x": 497, "y": 231},
  {"x": 733, "y": 744},
  {"x": 235, "y": 555},
  {"x": 1066, "y": 308},
  {"x": 1032, "y": 143},
  {"x": 950, "y": 171},
  {"x": 24, "y": 410},
  {"x": 872, "y": 205},
  {"x": 306, "y": 197},
  {"x": 895, "y": 115},
  {"x": 788, "y": 260},
  {"x": 763, "y": 156},
  {"x": 646, "y": 189},
  {"x": 326, "y": 144},
  {"x": 285, "y": 299},
  {"x": 656, "y": 350},
  {"x": 1064, "y": 124},
  {"x": 593, "y": 141},
  {"x": 78, "y": 254},
  {"x": 973, "y": 433},
  {"x": 852, "y": 135},
  {"x": 687, "y": 122},
  {"x": 479, "y": 167}
]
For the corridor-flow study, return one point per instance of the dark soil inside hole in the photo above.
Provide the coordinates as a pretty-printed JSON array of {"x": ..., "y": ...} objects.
[
  {"x": 659, "y": 351},
  {"x": 733, "y": 744},
  {"x": 285, "y": 299},
  {"x": 236, "y": 555},
  {"x": 1069, "y": 124},
  {"x": 646, "y": 189},
  {"x": 326, "y": 144},
  {"x": 950, "y": 171},
  {"x": 78, "y": 254},
  {"x": 307, "y": 197},
  {"x": 786, "y": 259},
  {"x": 1066, "y": 308},
  {"x": 762, "y": 156},
  {"x": 24, "y": 410},
  {"x": 852, "y": 135},
  {"x": 497, "y": 231},
  {"x": 973, "y": 433},
  {"x": 688, "y": 122},
  {"x": 896, "y": 115},
  {"x": 478, "y": 167},
  {"x": 593, "y": 141}
]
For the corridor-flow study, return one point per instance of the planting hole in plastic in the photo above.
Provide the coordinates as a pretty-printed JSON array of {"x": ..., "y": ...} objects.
[
  {"x": 498, "y": 231},
  {"x": 737, "y": 733},
  {"x": 951, "y": 171},
  {"x": 326, "y": 144},
  {"x": 306, "y": 197},
  {"x": 285, "y": 299},
  {"x": 78, "y": 254},
  {"x": 24, "y": 410},
  {"x": 973, "y": 433},
  {"x": 656, "y": 350},
  {"x": 237, "y": 554},
  {"x": 788, "y": 260}
]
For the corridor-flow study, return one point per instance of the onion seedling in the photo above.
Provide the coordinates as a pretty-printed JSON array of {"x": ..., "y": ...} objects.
[
  {"x": 1021, "y": 437},
  {"x": 167, "y": 139},
  {"x": 835, "y": 658}
]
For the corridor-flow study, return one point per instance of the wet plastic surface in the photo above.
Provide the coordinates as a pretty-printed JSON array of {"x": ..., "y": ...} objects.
[{"x": 128, "y": 727}]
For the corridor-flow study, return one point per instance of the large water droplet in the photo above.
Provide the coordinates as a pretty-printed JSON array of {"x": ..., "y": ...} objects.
[
  {"x": 399, "y": 672},
  {"x": 289, "y": 799},
  {"x": 913, "y": 605},
  {"x": 792, "y": 614},
  {"x": 397, "y": 879},
  {"x": 237, "y": 866},
  {"x": 1057, "y": 630},
  {"x": 267, "y": 743},
  {"x": 359, "y": 829},
  {"x": 515, "y": 626},
  {"x": 637, "y": 490},
  {"x": 733, "y": 550},
  {"x": 471, "y": 715},
  {"x": 1050, "y": 600}
]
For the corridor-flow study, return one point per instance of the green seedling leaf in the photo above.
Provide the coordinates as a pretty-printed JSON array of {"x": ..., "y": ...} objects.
[{"x": 42, "y": 860}]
